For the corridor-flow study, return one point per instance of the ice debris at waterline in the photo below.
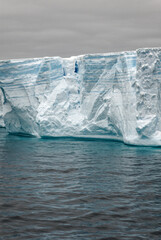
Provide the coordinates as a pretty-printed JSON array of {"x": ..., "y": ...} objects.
[{"x": 114, "y": 96}]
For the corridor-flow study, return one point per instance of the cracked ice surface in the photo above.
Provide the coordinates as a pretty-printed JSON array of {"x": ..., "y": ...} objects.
[{"x": 115, "y": 96}]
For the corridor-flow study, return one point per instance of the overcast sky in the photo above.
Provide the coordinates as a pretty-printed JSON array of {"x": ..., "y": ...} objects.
[{"x": 35, "y": 28}]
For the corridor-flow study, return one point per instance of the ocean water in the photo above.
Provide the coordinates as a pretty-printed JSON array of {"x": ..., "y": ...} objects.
[{"x": 76, "y": 189}]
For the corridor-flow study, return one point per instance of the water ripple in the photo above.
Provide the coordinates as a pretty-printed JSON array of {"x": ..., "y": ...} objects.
[{"x": 78, "y": 190}]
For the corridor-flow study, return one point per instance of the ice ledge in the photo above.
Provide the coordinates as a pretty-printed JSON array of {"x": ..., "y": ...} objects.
[
  {"x": 115, "y": 95},
  {"x": 83, "y": 55}
]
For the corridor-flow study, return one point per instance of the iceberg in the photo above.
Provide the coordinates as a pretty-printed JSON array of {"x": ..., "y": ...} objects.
[{"x": 110, "y": 96}]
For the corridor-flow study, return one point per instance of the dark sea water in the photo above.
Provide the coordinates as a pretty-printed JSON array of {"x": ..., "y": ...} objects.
[{"x": 75, "y": 189}]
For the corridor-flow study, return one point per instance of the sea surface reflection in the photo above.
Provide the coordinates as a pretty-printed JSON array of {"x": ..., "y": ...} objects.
[{"x": 75, "y": 189}]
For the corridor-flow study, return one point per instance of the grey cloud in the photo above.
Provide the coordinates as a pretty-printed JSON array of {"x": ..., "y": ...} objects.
[{"x": 36, "y": 28}]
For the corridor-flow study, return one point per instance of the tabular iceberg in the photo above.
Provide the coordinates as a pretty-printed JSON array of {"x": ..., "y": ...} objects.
[{"x": 115, "y": 96}]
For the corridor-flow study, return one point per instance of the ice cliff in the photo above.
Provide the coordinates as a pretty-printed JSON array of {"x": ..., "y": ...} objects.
[{"x": 115, "y": 96}]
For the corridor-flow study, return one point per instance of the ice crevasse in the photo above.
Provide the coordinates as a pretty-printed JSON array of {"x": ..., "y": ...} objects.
[{"x": 111, "y": 96}]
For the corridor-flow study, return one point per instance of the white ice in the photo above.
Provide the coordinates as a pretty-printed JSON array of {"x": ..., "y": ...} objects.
[{"x": 114, "y": 96}]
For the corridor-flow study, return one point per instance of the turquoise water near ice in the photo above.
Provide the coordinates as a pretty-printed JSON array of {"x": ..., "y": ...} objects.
[{"x": 77, "y": 189}]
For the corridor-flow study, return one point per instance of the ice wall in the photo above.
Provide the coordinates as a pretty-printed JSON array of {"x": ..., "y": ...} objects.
[
  {"x": 148, "y": 96},
  {"x": 1, "y": 109},
  {"x": 114, "y": 95}
]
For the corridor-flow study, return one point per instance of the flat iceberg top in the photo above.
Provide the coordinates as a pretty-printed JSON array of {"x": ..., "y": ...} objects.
[
  {"x": 87, "y": 54},
  {"x": 112, "y": 95}
]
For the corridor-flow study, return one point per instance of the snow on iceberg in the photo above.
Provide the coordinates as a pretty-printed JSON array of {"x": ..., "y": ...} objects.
[{"x": 114, "y": 96}]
